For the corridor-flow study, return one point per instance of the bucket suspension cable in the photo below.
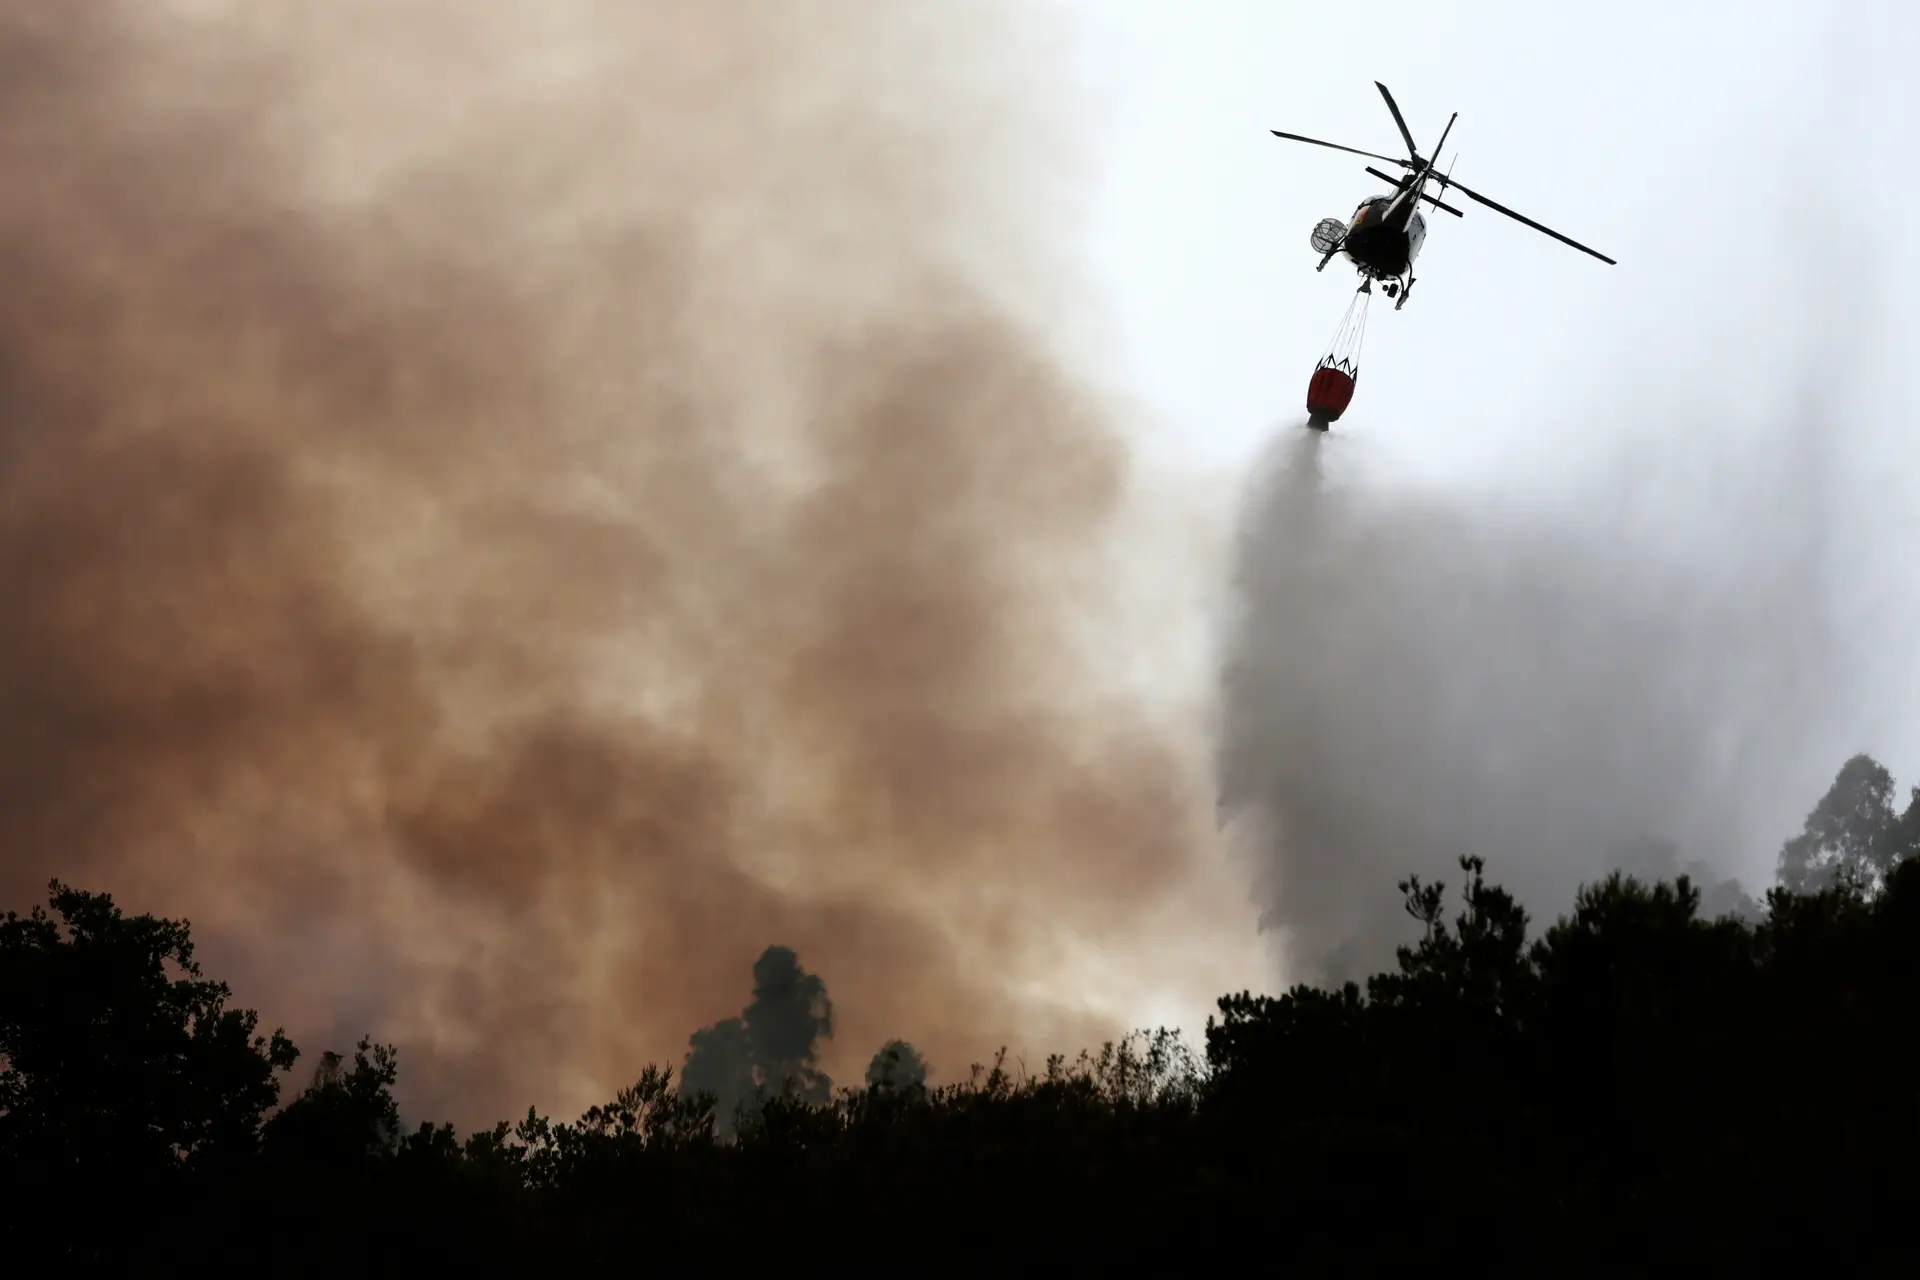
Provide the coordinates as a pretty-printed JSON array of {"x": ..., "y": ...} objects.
[
  {"x": 1343, "y": 353},
  {"x": 1330, "y": 390}
]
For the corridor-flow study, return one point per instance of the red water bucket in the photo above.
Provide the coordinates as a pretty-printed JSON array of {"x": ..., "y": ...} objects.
[{"x": 1328, "y": 395}]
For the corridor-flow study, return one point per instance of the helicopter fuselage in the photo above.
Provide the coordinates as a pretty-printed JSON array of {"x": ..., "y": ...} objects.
[
  {"x": 1382, "y": 241},
  {"x": 1384, "y": 236}
]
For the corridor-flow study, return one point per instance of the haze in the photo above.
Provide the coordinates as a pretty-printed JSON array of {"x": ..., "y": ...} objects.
[{"x": 511, "y": 513}]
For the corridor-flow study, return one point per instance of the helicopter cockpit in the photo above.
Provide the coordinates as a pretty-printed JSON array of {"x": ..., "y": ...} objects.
[{"x": 1373, "y": 206}]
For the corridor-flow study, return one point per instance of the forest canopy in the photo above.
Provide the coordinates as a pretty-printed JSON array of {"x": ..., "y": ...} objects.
[{"x": 1640, "y": 1083}]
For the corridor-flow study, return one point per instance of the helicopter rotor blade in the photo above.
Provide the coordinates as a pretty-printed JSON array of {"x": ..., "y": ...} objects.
[
  {"x": 1500, "y": 208},
  {"x": 1337, "y": 147},
  {"x": 1400, "y": 120},
  {"x": 1442, "y": 144}
]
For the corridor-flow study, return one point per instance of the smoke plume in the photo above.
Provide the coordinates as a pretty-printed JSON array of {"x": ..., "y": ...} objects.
[
  {"x": 1562, "y": 690},
  {"x": 506, "y": 510}
]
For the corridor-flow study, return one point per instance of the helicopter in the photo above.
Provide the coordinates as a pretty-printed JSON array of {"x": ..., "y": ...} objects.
[{"x": 1384, "y": 236}]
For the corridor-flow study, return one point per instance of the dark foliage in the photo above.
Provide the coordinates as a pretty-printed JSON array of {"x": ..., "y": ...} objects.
[
  {"x": 1637, "y": 1089},
  {"x": 123, "y": 1075}
]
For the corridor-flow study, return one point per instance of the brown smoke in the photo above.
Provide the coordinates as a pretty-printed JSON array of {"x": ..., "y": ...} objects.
[{"x": 510, "y": 510}]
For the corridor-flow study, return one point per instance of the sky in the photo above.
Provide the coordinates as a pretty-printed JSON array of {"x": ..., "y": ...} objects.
[
  {"x": 1709, "y": 147},
  {"x": 1740, "y": 161}
]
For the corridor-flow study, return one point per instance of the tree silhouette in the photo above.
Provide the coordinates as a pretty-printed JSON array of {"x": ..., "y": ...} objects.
[
  {"x": 1644, "y": 1085},
  {"x": 346, "y": 1116},
  {"x": 770, "y": 1050},
  {"x": 121, "y": 1067},
  {"x": 108, "y": 1055},
  {"x": 897, "y": 1066},
  {"x": 1852, "y": 837}
]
